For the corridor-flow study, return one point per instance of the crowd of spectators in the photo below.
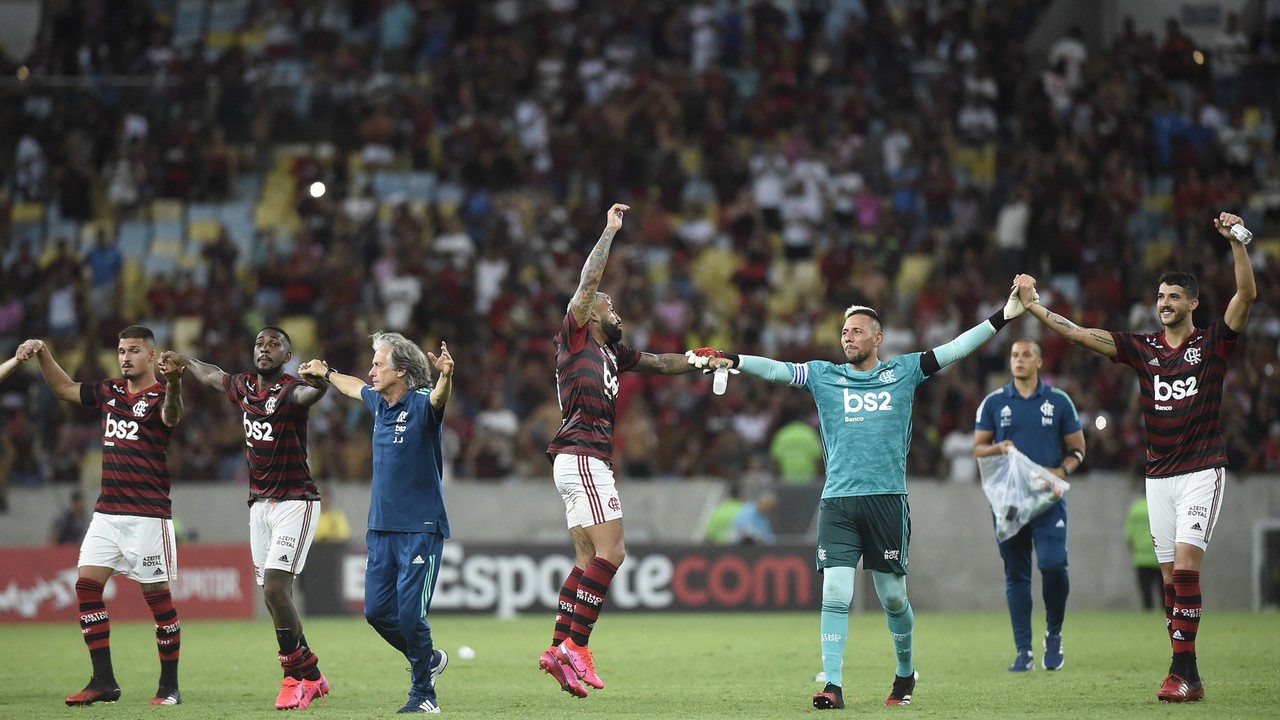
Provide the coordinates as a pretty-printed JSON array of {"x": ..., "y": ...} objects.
[{"x": 782, "y": 161}]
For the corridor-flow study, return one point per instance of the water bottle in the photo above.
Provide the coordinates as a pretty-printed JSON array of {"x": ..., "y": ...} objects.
[
  {"x": 1241, "y": 233},
  {"x": 720, "y": 381}
]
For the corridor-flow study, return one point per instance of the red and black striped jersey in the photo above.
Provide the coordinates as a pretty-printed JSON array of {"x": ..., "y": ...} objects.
[
  {"x": 587, "y": 385},
  {"x": 275, "y": 437},
  {"x": 1181, "y": 396},
  {"x": 135, "y": 468}
]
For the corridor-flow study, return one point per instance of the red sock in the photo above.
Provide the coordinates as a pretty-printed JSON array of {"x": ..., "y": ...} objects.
[
  {"x": 1186, "y": 610},
  {"x": 592, "y": 588},
  {"x": 168, "y": 629},
  {"x": 95, "y": 624},
  {"x": 1170, "y": 594},
  {"x": 568, "y": 600}
]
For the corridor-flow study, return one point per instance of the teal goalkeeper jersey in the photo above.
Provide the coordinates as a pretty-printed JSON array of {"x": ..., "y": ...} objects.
[{"x": 865, "y": 418}]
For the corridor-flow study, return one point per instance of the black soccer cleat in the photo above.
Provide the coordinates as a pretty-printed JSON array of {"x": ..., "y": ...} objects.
[
  {"x": 902, "y": 689},
  {"x": 829, "y": 699},
  {"x": 96, "y": 691}
]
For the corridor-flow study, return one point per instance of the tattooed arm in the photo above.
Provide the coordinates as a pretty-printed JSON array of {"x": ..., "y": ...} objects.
[
  {"x": 1096, "y": 340},
  {"x": 664, "y": 364},
  {"x": 584, "y": 299}
]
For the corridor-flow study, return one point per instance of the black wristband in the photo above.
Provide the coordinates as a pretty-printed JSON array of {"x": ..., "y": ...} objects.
[
  {"x": 997, "y": 319},
  {"x": 736, "y": 360},
  {"x": 327, "y": 374}
]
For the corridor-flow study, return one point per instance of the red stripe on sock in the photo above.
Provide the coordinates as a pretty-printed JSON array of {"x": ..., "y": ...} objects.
[
  {"x": 568, "y": 601},
  {"x": 592, "y": 589},
  {"x": 95, "y": 623},
  {"x": 1186, "y": 610}
]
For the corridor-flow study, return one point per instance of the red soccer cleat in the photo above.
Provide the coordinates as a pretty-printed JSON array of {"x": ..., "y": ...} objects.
[{"x": 1175, "y": 690}]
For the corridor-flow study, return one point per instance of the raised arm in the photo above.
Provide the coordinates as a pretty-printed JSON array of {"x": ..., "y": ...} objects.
[
  {"x": 1096, "y": 340},
  {"x": 8, "y": 366},
  {"x": 203, "y": 372},
  {"x": 61, "y": 384},
  {"x": 443, "y": 364},
  {"x": 934, "y": 360},
  {"x": 172, "y": 411},
  {"x": 1237, "y": 314},
  {"x": 593, "y": 270},
  {"x": 346, "y": 384}
]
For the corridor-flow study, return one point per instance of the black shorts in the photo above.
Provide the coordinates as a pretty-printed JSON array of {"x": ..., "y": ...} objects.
[{"x": 875, "y": 529}]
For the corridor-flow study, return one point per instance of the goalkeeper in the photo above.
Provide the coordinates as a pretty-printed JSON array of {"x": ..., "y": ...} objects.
[
  {"x": 1042, "y": 423},
  {"x": 864, "y": 407}
]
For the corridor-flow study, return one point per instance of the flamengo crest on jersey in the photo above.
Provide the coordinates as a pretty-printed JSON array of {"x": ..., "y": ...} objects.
[
  {"x": 587, "y": 386},
  {"x": 275, "y": 437},
  {"x": 135, "y": 468},
  {"x": 865, "y": 418},
  {"x": 1181, "y": 396}
]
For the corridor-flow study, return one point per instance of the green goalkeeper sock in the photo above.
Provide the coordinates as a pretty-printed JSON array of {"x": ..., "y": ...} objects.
[{"x": 837, "y": 594}]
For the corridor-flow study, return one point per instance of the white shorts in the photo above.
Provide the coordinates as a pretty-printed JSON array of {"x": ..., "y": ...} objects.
[
  {"x": 143, "y": 548},
  {"x": 586, "y": 484},
  {"x": 1184, "y": 509},
  {"x": 280, "y": 533}
]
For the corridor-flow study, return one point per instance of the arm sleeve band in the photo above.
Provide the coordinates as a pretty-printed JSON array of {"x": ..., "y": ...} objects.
[
  {"x": 783, "y": 373},
  {"x": 962, "y": 346}
]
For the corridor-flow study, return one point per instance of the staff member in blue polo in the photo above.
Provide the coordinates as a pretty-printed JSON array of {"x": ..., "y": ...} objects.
[
  {"x": 407, "y": 520},
  {"x": 1042, "y": 423}
]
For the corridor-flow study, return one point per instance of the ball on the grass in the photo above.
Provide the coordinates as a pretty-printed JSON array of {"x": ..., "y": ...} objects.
[{"x": 466, "y": 653}]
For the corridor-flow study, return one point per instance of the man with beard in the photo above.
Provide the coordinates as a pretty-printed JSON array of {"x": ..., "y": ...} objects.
[
  {"x": 1181, "y": 376},
  {"x": 589, "y": 357},
  {"x": 864, "y": 408},
  {"x": 284, "y": 502},
  {"x": 131, "y": 532}
]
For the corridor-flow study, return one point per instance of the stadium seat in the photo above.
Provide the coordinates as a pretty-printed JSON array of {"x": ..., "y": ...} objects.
[
  {"x": 167, "y": 211},
  {"x": 27, "y": 212},
  {"x": 304, "y": 334},
  {"x": 186, "y": 333},
  {"x": 134, "y": 238},
  {"x": 1157, "y": 254}
]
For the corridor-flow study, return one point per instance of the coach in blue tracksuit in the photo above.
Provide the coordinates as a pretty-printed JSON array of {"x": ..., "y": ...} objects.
[
  {"x": 1042, "y": 423},
  {"x": 407, "y": 520}
]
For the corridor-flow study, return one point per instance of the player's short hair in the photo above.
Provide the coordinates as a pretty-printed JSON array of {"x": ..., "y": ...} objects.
[
  {"x": 1035, "y": 346},
  {"x": 405, "y": 355},
  {"x": 864, "y": 310},
  {"x": 288, "y": 341},
  {"x": 138, "y": 332},
  {"x": 1185, "y": 280}
]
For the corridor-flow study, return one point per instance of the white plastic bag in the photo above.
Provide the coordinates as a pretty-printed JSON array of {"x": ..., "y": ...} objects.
[{"x": 1018, "y": 489}]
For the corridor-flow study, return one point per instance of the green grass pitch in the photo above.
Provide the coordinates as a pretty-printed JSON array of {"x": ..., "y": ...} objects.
[{"x": 667, "y": 666}]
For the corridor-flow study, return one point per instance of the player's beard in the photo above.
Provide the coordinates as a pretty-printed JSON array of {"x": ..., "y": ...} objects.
[
  {"x": 1175, "y": 318},
  {"x": 858, "y": 356},
  {"x": 612, "y": 333},
  {"x": 272, "y": 372}
]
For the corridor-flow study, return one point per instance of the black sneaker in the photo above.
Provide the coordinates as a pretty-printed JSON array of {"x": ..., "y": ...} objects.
[
  {"x": 902, "y": 689},
  {"x": 829, "y": 699},
  {"x": 96, "y": 691}
]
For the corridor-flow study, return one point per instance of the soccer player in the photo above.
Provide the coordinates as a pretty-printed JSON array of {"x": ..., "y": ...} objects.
[
  {"x": 407, "y": 520},
  {"x": 131, "y": 532},
  {"x": 864, "y": 409},
  {"x": 589, "y": 357},
  {"x": 1181, "y": 372},
  {"x": 1042, "y": 423},
  {"x": 284, "y": 502}
]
